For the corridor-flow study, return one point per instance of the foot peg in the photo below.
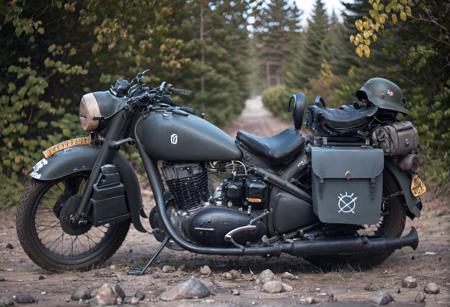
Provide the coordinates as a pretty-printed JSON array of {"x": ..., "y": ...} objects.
[{"x": 137, "y": 271}]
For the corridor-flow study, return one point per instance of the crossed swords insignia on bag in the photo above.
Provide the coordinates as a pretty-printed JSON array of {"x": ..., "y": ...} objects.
[{"x": 347, "y": 203}]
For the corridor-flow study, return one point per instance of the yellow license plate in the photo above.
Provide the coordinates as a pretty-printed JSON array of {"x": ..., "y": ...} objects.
[
  {"x": 417, "y": 186},
  {"x": 66, "y": 144}
]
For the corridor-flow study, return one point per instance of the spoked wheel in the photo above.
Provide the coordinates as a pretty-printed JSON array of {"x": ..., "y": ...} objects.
[
  {"x": 391, "y": 225},
  {"x": 48, "y": 237}
]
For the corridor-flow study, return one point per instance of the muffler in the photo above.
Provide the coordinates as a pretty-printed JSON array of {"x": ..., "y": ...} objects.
[{"x": 337, "y": 246}]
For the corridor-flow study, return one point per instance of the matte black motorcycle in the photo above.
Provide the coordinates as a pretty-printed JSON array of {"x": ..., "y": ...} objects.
[{"x": 340, "y": 195}]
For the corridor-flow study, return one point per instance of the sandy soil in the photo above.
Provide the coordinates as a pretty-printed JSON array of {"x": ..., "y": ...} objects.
[{"x": 429, "y": 263}]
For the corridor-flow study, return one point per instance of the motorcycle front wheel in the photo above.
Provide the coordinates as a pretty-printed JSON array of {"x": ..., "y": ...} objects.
[
  {"x": 50, "y": 240},
  {"x": 391, "y": 225}
]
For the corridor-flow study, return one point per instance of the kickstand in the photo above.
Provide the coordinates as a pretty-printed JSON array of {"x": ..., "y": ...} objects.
[{"x": 141, "y": 270}]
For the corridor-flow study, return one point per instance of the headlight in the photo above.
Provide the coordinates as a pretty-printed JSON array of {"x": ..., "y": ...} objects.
[{"x": 89, "y": 112}]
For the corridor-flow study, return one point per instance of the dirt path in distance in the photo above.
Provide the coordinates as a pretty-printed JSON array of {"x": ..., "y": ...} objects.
[{"x": 429, "y": 263}]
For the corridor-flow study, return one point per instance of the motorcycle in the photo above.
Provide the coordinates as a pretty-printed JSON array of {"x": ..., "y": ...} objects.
[{"x": 340, "y": 195}]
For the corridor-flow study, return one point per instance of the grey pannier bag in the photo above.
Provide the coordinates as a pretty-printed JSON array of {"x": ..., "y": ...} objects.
[{"x": 396, "y": 139}]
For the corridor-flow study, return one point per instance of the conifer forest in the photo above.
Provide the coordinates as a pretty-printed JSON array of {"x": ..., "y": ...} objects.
[{"x": 52, "y": 52}]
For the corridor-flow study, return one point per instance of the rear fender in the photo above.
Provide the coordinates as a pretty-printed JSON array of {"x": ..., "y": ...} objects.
[
  {"x": 413, "y": 204},
  {"x": 81, "y": 159}
]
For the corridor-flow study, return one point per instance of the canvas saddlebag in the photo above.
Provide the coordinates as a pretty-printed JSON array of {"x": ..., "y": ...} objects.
[
  {"x": 396, "y": 139},
  {"x": 347, "y": 184}
]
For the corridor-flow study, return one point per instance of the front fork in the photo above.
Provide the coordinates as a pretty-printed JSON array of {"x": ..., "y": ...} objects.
[{"x": 117, "y": 127}]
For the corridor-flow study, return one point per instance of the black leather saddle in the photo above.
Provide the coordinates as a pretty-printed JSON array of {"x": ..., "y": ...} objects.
[
  {"x": 344, "y": 120},
  {"x": 279, "y": 148}
]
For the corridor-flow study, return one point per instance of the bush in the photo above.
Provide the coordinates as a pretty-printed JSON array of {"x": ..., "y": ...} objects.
[{"x": 276, "y": 100}]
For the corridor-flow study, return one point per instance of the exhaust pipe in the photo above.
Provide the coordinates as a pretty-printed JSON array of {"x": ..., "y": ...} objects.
[
  {"x": 296, "y": 248},
  {"x": 331, "y": 247}
]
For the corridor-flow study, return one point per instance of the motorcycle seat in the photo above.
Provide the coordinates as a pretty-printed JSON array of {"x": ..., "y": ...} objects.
[
  {"x": 279, "y": 148},
  {"x": 337, "y": 121}
]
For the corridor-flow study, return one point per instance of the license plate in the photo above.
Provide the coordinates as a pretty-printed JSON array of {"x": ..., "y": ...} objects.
[
  {"x": 417, "y": 186},
  {"x": 66, "y": 144}
]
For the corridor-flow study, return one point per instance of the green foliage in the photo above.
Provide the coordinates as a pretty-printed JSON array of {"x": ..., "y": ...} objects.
[
  {"x": 53, "y": 52},
  {"x": 276, "y": 99},
  {"x": 306, "y": 64}
]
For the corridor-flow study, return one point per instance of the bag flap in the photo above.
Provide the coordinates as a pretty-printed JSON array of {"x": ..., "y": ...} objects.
[{"x": 347, "y": 162}]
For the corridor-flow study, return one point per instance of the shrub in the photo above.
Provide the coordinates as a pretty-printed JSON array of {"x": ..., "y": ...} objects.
[{"x": 276, "y": 100}]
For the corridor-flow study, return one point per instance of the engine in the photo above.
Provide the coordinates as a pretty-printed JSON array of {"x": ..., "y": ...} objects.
[{"x": 233, "y": 214}]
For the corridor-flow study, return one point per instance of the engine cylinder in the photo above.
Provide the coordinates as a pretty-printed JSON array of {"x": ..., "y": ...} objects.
[{"x": 188, "y": 184}]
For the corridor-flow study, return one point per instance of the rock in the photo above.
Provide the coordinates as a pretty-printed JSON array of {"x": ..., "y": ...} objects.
[
  {"x": 192, "y": 288},
  {"x": 156, "y": 275},
  {"x": 310, "y": 300},
  {"x": 168, "y": 269},
  {"x": 134, "y": 301},
  {"x": 432, "y": 288},
  {"x": 420, "y": 297},
  {"x": 24, "y": 298},
  {"x": 286, "y": 287},
  {"x": 106, "y": 296},
  {"x": 381, "y": 298},
  {"x": 42, "y": 277},
  {"x": 9, "y": 246},
  {"x": 81, "y": 293},
  {"x": 6, "y": 301},
  {"x": 139, "y": 295},
  {"x": 119, "y": 291},
  {"x": 231, "y": 274},
  {"x": 112, "y": 266},
  {"x": 205, "y": 270},
  {"x": 409, "y": 282},
  {"x": 266, "y": 275},
  {"x": 273, "y": 286},
  {"x": 235, "y": 292},
  {"x": 290, "y": 276},
  {"x": 331, "y": 298}
]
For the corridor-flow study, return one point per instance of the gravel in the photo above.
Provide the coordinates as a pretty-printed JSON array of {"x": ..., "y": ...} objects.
[{"x": 81, "y": 293}]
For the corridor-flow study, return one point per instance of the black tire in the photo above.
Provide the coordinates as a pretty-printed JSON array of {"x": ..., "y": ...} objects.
[
  {"x": 43, "y": 256},
  {"x": 392, "y": 227}
]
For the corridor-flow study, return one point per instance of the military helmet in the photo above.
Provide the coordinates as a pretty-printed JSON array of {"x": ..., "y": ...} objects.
[{"x": 384, "y": 94}]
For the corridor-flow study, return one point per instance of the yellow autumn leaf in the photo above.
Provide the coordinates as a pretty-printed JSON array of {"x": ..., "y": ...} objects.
[
  {"x": 352, "y": 38},
  {"x": 403, "y": 16},
  {"x": 359, "y": 51},
  {"x": 394, "y": 18},
  {"x": 366, "y": 51},
  {"x": 374, "y": 38}
]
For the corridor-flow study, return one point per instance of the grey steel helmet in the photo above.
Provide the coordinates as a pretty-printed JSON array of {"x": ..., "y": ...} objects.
[{"x": 384, "y": 94}]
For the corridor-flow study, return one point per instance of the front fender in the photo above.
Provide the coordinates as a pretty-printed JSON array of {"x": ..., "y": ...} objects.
[
  {"x": 413, "y": 204},
  {"x": 81, "y": 159}
]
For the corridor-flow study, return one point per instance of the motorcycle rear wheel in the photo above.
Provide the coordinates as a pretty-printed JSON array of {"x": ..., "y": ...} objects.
[
  {"x": 47, "y": 240},
  {"x": 391, "y": 225}
]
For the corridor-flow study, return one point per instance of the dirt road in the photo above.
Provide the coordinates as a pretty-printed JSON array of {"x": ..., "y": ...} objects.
[{"x": 429, "y": 263}]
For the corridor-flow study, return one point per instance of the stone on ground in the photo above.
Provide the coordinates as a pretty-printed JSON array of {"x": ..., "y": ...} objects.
[
  {"x": 266, "y": 275},
  {"x": 106, "y": 295},
  {"x": 231, "y": 274},
  {"x": 192, "y": 288},
  {"x": 409, "y": 282},
  {"x": 81, "y": 293},
  {"x": 432, "y": 288},
  {"x": 286, "y": 287},
  {"x": 290, "y": 276},
  {"x": 24, "y": 298},
  {"x": 139, "y": 295},
  {"x": 168, "y": 269},
  {"x": 6, "y": 301},
  {"x": 205, "y": 270},
  {"x": 381, "y": 298},
  {"x": 273, "y": 286},
  {"x": 420, "y": 297}
]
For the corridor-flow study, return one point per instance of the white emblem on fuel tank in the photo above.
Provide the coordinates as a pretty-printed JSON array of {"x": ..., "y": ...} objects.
[{"x": 174, "y": 138}]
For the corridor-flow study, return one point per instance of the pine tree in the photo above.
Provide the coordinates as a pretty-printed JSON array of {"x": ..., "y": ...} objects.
[
  {"x": 307, "y": 62},
  {"x": 335, "y": 46},
  {"x": 276, "y": 25}
]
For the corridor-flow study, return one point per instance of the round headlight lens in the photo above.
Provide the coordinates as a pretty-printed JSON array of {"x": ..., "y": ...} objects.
[{"x": 89, "y": 112}]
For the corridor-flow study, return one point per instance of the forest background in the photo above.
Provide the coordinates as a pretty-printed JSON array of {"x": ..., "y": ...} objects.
[{"x": 52, "y": 52}]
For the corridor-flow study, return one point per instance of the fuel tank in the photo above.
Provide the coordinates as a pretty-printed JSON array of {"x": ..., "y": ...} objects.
[{"x": 181, "y": 136}]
